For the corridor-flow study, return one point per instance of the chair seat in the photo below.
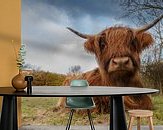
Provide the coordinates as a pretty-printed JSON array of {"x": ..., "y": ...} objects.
[
  {"x": 79, "y": 103},
  {"x": 140, "y": 113}
]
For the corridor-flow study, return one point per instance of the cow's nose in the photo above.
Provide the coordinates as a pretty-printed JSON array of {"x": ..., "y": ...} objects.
[{"x": 121, "y": 63}]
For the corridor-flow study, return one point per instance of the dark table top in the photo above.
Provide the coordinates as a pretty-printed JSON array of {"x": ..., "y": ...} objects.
[{"x": 63, "y": 91}]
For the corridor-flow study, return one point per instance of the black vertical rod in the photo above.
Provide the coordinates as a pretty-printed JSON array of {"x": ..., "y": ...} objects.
[
  {"x": 70, "y": 119},
  {"x": 117, "y": 114},
  {"x": 29, "y": 80},
  {"x": 90, "y": 120},
  {"x": 9, "y": 113},
  {"x": 15, "y": 121}
]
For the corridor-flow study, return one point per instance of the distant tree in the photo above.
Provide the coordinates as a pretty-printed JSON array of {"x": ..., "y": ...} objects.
[
  {"x": 75, "y": 69},
  {"x": 141, "y": 12},
  {"x": 42, "y": 78},
  {"x": 153, "y": 73}
]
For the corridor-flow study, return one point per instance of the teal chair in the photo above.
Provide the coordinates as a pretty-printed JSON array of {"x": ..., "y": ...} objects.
[{"x": 79, "y": 103}]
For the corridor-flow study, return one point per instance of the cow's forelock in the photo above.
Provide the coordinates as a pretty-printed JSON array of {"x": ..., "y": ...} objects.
[{"x": 119, "y": 42}]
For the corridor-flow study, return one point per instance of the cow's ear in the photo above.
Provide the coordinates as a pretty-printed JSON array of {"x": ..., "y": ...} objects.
[
  {"x": 144, "y": 40},
  {"x": 89, "y": 45}
]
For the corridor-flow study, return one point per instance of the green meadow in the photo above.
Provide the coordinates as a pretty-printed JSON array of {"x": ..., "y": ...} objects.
[{"x": 41, "y": 111}]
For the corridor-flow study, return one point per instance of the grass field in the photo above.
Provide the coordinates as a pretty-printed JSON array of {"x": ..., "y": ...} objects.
[{"x": 41, "y": 111}]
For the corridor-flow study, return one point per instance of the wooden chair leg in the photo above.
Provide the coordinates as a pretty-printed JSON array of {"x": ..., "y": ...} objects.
[
  {"x": 138, "y": 123},
  {"x": 131, "y": 123},
  {"x": 150, "y": 123}
]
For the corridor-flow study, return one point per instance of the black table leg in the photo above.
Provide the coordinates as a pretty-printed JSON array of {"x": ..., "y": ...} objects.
[
  {"x": 9, "y": 113},
  {"x": 117, "y": 114}
]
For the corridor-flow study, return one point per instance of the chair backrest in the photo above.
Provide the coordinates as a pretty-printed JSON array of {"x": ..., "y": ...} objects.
[
  {"x": 79, "y": 102},
  {"x": 79, "y": 83}
]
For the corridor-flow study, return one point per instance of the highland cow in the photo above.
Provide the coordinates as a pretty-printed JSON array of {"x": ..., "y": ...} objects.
[{"x": 117, "y": 50}]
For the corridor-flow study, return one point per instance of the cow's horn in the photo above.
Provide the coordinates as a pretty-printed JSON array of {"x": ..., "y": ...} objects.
[
  {"x": 85, "y": 36},
  {"x": 148, "y": 26}
]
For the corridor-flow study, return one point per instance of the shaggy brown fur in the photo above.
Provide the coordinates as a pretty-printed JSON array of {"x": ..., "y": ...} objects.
[{"x": 116, "y": 42}]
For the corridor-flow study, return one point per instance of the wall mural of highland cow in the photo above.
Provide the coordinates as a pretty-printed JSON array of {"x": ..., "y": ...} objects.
[
  {"x": 117, "y": 50},
  {"x": 112, "y": 57}
]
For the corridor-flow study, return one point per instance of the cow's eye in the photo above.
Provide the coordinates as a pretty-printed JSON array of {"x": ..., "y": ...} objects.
[
  {"x": 134, "y": 43},
  {"x": 102, "y": 43}
]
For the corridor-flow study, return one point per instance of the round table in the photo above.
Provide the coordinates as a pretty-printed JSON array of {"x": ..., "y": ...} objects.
[{"x": 117, "y": 114}]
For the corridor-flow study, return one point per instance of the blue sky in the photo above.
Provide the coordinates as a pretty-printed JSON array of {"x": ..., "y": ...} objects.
[{"x": 50, "y": 45}]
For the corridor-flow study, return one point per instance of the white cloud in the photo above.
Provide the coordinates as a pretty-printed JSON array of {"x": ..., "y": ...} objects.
[
  {"x": 50, "y": 45},
  {"x": 60, "y": 62}
]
